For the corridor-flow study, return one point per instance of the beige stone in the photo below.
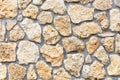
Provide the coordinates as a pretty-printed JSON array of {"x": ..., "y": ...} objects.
[
  {"x": 53, "y": 54},
  {"x": 86, "y": 29},
  {"x": 79, "y": 13},
  {"x": 57, "y": 6},
  {"x": 108, "y": 78},
  {"x": 117, "y": 2},
  {"x": 74, "y": 63},
  {"x": 72, "y": 44},
  {"x": 33, "y": 30},
  {"x": 106, "y": 34},
  {"x": 115, "y": 19},
  {"x": 102, "y": 4},
  {"x": 16, "y": 34},
  {"x": 86, "y": 71},
  {"x": 8, "y": 8},
  {"x": 63, "y": 25},
  {"x": 3, "y": 72},
  {"x": 7, "y": 52},
  {"x": 72, "y": 0},
  {"x": 45, "y": 17},
  {"x": 38, "y": 2},
  {"x": 27, "y": 52},
  {"x": 108, "y": 43},
  {"x": 23, "y": 3},
  {"x": 101, "y": 55},
  {"x": 61, "y": 74},
  {"x": 92, "y": 44},
  {"x": 19, "y": 18},
  {"x": 117, "y": 43},
  {"x": 31, "y": 75},
  {"x": 50, "y": 35},
  {"x": 88, "y": 59},
  {"x": 16, "y": 71},
  {"x": 44, "y": 71},
  {"x": 10, "y": 23},
  {"x": 114, "y": 67},
  {"x": 2, "y": 30},
  {"x": 31, "y": 11},
  {"x": 81, "y": 1},
  {"x": 102, "y": 19}
]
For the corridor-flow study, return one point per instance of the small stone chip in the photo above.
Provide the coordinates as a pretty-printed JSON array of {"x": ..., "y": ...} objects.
[
  {"x": 16, "y": 34},
  {"x": 45, "y": 17},
  {"x": 50, "y": 35},
  {"x": 72, "y": 44},
  {"x": 31, "y": 11},
  {"x": 86, "y": 29},
  {"x": 8, "y": 8},
  {"x": 115, "y": 19},
  {"x": 102, "y": 4},
  {"x": 80, "y": 13},
  {"x": 106, "y": 34},
  {"x": 2, "y": 30},
  {"x": 23, "y": 3},
  {"x": 117, "y": 43},
  {"x": 3, "y": 72},
  {"x": 43, "y": 70},
  {"x": 72, "y": 0},
  {"x": 117, "y": 2},
  {"x": 7, "y": 52},
  {"x": 53, "y": 54},
  {"x": 31, "y": 75},
  {"x": 92, "y": 44},
  {"x": 38, "y": 2},
  {"x": 101, "y": 55},
  {"x": 27, "y": 52},
  {"x": 88, "y": 59},
  {"x": 108, "y": 43},
  {"x": 10, "y": 23},
  {"x": 61, "y": 74},
  {"x": 33, "y": 30},
  {"x": 63, "y": 25},
  {"x": 114, "y": 68},
  {"x": 81, "y": 1},
  {"x": 57, "y": 6},
  {"x": 102, "y": 19},
  {"x": 74, "y": 63},
  {"x": 16, "y": 71}
]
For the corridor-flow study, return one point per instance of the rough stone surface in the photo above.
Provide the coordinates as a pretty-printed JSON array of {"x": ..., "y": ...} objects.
[
  {"x": 53, "y": 54},
  {"x": 72, "y": 44},
  {"x": 31, "y": 11},
  {"x": 16, "y": 34},
  {"x": 117, "y": 43},
  {"x": 16, "y": 71},
  {"x": 114, "y": 68},
  {"x": 50, "y": 35},
  {"x": 8, "y": 8},
  {"x": 2, "y": 30},
  {"x": 92, "y": 44},
  {"x": 102, "y": 4},
  {"x": 31, "y": 75},
  {"x": 27, "y": 52},
  {"x": 38, "y": 2},
  {"x": 10, "y": 23},
  {"x": 106, "y": 34},
  {"x": 81, "y": 1},
  {"x": 79, "y": 13},
  {"x": 23, "y": 3},
  {"x": 7, "y": 52},
  {"x": 115, "y": 19},
  {"x": 61, "y": 74},
  {"x": 63, "y": 25},
  {"x": 117, "y": 2},
  {"x": 33, "y": 30},
  {"x": 74, "y": 63},
  {"x": 102, "y": 19},
  {"x": 88, "y": 59},
  {"x": 45, "y": 17},
  {"x": 3, "y": 72},
  {"x": 108, "y": 43},
  {"x": 86, "y": 29},
  {"x": 101, "y": 55},
  {"x": 53, "y": 5},
  {"x": 43, "y": 70}
]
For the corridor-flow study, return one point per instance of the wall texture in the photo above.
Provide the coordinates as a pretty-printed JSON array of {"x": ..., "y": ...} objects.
[{"x": 59, "y": 39}]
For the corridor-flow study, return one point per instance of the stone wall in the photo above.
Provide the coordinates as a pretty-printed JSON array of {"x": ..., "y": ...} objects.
[{"x": 59, "y": 39}]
